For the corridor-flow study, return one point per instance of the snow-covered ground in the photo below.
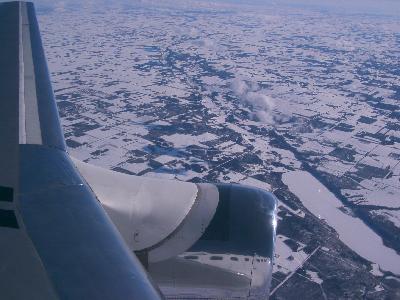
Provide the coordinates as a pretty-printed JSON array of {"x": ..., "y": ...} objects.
[
  {"x": 222, "y": 91},
  {"x": 351, "y": 230}
]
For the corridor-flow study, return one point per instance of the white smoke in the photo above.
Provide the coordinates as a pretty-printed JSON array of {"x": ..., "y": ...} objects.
[{"x": 249, "y": 93}]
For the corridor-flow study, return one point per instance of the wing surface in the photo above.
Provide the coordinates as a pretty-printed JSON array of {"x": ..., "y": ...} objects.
[{"x": 56, "y": 241}]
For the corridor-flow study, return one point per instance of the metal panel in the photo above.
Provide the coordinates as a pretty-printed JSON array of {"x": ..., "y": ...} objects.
[
  {"x": 80, "y": 248},
  {"x": 145, "y": 210},
  {"x": 30, "y": 131},
  {"x": 192, "y": 227},
  {"x": 22, "y": 275},
  {"x": 51, "y": 131},
  {"x": 233, "y": 258},
  {"x": 9, "y": 93},
  {"x": 43, "y": 168}
]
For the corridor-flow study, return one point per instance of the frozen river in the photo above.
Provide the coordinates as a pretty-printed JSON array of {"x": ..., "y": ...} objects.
[{"x": 352, "y": 231}]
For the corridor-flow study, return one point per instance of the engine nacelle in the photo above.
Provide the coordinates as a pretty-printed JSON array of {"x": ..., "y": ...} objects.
[
  {"x": 233, "y": 257},
  {"x": 197, "y": 241}
]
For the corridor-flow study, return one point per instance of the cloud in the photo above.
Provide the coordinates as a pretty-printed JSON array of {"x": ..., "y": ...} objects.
[
  {"x": 60, "y": 6},
  {"x": 239, "y": 87},
  {"x": 207, "y": 43},
  {"x": 249, "y": 93}
]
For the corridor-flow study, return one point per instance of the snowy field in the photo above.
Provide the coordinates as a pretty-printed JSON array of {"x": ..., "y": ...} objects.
[{"x": 254, "y": 94}]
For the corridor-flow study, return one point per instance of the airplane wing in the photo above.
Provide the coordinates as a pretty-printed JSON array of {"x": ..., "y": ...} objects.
[
  {"x": 56, "y": 241},
  {"x": 69, "y": 230}
]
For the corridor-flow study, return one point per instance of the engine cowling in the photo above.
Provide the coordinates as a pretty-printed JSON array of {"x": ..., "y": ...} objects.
[
  {"x": 233, "y": 257},
  {"x": 197, "y": 241}
]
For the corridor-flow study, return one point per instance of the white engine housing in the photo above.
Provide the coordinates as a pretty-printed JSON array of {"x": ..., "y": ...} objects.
[
  {"x": 197, "y": 241},
  {"x": 162, "y": 217}
]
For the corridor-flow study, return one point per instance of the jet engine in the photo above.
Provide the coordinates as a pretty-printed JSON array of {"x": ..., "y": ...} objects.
[{"x": 197, "y": 241}]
